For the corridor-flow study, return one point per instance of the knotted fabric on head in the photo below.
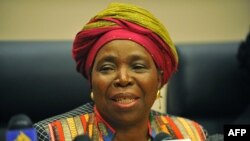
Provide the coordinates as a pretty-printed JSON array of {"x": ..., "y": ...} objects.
[{"x": 127, "y": 22}]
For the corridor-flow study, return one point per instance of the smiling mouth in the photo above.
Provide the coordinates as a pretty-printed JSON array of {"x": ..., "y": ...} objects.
[{"x": 124, "y": 98}]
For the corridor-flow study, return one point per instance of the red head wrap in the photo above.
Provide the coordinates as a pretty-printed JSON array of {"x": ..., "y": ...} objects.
[{"x": 88, "y": 42}]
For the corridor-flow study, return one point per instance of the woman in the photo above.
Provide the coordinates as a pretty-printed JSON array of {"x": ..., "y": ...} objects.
[{"x": 127, "y": 56}]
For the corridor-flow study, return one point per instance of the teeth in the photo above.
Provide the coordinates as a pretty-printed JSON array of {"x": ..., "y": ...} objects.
[{"x": 124, "y": 100}]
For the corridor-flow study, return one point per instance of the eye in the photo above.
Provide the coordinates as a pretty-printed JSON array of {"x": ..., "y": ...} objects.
[
  {"x": 106, "y": 68},
  {"x": 138, "y": 67}
]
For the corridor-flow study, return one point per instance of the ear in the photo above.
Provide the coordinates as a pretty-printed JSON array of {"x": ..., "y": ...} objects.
[{"x": 160, "y": 75}]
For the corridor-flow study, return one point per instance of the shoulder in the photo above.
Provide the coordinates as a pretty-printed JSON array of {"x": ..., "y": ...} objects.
[
  {"x": 44, "y": 127},
  {"x": 179, "y": 127}
]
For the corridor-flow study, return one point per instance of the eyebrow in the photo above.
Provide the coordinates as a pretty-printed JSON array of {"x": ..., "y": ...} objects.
[
  {"x": 109, "y": 58},
  {"x": 138, "y": 57}
]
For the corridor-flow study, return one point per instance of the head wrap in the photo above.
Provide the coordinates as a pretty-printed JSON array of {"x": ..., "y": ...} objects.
[{"x": 129, "y": 22}]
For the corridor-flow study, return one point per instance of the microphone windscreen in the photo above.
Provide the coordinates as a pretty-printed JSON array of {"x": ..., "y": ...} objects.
[
  {"x": 162, "y": 136},
  {"x": 215, "y": 137},
  {"x": 82, "y": 138},
  {"x": 19, "y": 122}
]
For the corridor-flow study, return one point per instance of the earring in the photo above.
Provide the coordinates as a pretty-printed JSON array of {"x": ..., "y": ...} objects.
[
  {"x": 92, "y": 96},
  {"x": 158, "y": 96}
]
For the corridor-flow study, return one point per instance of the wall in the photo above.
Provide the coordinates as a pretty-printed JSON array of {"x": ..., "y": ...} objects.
[{"x": 192, "y": 21}]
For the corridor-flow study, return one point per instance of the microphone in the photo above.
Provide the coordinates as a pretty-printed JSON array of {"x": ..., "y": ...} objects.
[
  {"x": 215, "y": 137},
  {"x": 82, "y": 138},
  {"x": 165, "y": 137},
  {"x": 20, "y": 128}
]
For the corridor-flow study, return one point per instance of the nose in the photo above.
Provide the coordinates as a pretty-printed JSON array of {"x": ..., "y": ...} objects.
[{"x": 123, "y": 78}]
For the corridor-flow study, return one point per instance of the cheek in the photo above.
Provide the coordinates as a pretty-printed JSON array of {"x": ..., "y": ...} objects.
[
  {"x": 149, "y": 84},
  {"x": 100, "y": 84}
]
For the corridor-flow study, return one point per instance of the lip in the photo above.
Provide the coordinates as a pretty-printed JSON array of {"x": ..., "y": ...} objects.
[{"x": 124, "y": 101}]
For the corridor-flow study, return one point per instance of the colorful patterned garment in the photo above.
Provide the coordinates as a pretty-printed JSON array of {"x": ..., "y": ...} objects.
[{"x": 84, "y": 120}]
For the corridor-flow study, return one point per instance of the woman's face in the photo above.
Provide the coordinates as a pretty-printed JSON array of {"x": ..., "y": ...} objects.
[{"x": 124, "y": 82}]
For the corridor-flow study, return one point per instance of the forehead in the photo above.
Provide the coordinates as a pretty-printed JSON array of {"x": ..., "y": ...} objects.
[{"x": 122, "y": 48}]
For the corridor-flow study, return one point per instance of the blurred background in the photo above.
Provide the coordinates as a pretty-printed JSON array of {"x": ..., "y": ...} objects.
[
  {"x": 193, "y": 21},
  {"x": 46, "y": 24}
]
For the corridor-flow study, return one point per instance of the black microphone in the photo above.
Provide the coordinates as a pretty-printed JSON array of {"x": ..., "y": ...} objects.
[
  {"x": 215, "y": 137},
  {"x": 82, "y": 138},
  {"x": 165, "y": 137},
  {"x": 21, "y": 128},
  {"x": 162, "y": 136}
]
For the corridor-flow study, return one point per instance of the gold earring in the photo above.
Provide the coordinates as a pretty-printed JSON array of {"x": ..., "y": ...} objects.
[
  {"x": 158, "y": 96},
  {"x": 92, "y": 96}
]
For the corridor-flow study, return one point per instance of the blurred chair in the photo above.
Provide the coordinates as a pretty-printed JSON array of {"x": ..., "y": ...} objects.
[
  {"x": 38, "y": 79},
  {"x": 208, "y": 86}
]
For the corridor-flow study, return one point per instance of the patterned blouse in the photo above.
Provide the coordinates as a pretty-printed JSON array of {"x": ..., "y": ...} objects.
[{"x": 86, "y": 120}]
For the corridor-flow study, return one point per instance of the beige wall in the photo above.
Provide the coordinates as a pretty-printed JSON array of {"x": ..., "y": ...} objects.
[{"x": 187, "y": 21}]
